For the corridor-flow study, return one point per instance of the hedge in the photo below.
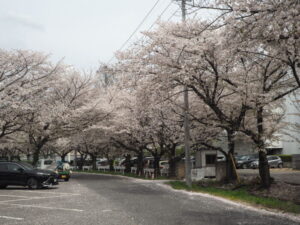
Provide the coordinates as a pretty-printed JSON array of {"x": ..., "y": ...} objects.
[{"x": 286, "y": 158}]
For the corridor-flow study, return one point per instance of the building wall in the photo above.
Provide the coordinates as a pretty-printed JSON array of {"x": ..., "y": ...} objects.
[
  {"x": 289, "y": 144},
  {"x": 242, "y": 147},
  {"x": 286, "y": 144}
]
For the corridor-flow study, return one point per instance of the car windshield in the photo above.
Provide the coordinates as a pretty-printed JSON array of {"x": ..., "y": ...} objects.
[
  {"x": 244, "y": 157},
  {"x": 252, "y": 157},
  {"x": 27, "y": 165}
]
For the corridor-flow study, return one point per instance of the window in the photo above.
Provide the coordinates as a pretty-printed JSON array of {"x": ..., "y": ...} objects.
[
  {"x": 3, "y": 167},
  {"x": 13, "y": 168},
  {"x": 26, "y": 165},
  {"x": 210, "y": 159},
  {"x": 48, "y": 162},
  {"x": 272, "y": 158}
]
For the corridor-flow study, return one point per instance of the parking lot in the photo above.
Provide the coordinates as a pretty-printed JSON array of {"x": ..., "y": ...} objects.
[
  {"x": 102, "y": 199},
  {"x": 35, "y": 206},
  {"x": 67, "y": 203}
]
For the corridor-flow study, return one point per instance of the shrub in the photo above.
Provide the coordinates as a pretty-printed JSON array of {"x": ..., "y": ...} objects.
[{"x": 286, "y": 158}]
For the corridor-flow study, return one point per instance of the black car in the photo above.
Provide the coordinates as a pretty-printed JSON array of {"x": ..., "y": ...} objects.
[
  {"x": 24, "y": 174},
  {"x": 244, "y": 161}
]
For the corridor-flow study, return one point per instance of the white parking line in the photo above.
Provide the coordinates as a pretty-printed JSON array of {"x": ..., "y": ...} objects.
[
  {"x": 46, "y": 207},
  {"x": 14, "y": 196},
  {"x": 11, "y": 218},
  {"x": 15, "y": 200},
  {"x": 106, "y": 210},
  {"x": 47, "y": 192},
  {"x": 37, "y": 198}
]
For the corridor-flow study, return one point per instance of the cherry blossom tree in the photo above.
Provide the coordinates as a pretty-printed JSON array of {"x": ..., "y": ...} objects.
[
  {"x": 187, "y": 56},
  {"x": 234, "y": 84},
  {"x": 66, "y": 108},
  {"x": 61, "y": 146},
  {"x": 271, "y": 27},
  {"x": 158, "y": 109},
  {"x": 24, "y": 77}
]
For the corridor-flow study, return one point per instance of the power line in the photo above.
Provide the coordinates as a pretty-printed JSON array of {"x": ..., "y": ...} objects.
[
  {"x": 172, "y": 15},
  {"x": 160, "y": 15},
  {"x": 136, "y": 29}
]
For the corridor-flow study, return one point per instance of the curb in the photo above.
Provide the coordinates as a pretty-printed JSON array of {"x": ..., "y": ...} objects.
[{"x": 259, "y": 209}]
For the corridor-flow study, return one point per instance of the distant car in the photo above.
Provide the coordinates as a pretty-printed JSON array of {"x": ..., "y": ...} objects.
[
  {"x": 163, "y": 164},
  {"x": 63, "y": 171},
  {"x": 244, "y": 162},
  {"x": 221, "y": 158},
  {"x": 24, "y": 174},
  {"x": 45, "y": 164},
  {"x": 273, "y": 161},
  {"x": 102, "y": 162}
]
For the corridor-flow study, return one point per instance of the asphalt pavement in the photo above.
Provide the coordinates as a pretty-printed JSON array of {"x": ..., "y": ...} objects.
[{"x": 103, "y": 199}]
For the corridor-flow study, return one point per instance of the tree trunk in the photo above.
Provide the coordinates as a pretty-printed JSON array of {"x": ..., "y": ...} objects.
[
  {"x": 173, "y": 160},
  {"x": 28, "y": 157},
  {"x": 231, "y": 175},
  {"x": 41, "y": 141},
  {"x": 140, "y": 163},
  {"x": 63, "y": 157},
  {"x": 82, "y": 159},
  {"x": 36, "y": 155},
  {"x": 156, "y": 165},
  {"x": 94, "y": 160},
  {"x": 127, "y": 163},
  {"x": 264, "y": 170},
  {"x": 110, "y": 163}
]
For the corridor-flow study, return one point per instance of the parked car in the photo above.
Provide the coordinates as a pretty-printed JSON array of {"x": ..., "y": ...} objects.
[
  {"x": 63, "y": 171},
  {"x": 24, "y": 174},
  {"x": 45, "y": 164},
  {"x": 102, "y": 162},
  {"x": 244, "y": 162},
  {"x": 221, "y": 158},
  {"x": 273, "y": 161},
  {"x": 164, "y": 165}
]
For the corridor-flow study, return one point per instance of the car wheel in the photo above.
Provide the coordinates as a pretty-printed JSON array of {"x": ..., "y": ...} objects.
[
  {"x": 280, "y": 165},
  {"x": 32, "y": 183},
  {"x": 66, "y": 179},
  {"x": 244, "y": 166},
  {"x": 2, "y": 186}
]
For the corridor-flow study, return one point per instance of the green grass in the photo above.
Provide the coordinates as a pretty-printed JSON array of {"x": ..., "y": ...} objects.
[
  {"x": 240, "y": 195},
  {"x": 121, "y": 174}
]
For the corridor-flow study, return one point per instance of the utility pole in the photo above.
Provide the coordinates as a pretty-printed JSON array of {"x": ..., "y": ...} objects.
[{"x": 188, "y": 167}]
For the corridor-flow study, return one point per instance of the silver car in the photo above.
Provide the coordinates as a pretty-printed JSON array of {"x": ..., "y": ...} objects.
[{"x": 273, "y": 161}]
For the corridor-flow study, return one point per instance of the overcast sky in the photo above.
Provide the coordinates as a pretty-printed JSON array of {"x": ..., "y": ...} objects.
[{"x": 84, "y": 32}]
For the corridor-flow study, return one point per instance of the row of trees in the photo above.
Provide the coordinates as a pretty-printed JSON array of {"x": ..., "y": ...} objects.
[
  {"x": 43, "y": 102},
  {"x": 238, "y": 65}
]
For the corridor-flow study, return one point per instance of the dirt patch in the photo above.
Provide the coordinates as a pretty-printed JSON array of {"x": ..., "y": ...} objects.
[{"x": 280, "y": 190}]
